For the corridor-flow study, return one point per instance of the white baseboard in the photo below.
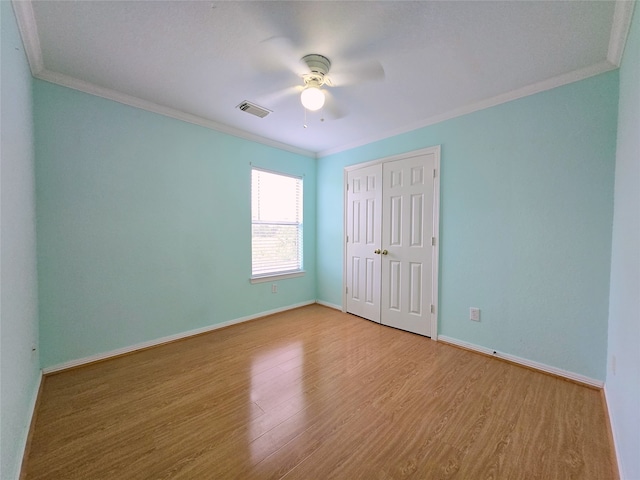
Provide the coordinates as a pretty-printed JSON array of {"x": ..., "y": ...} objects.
[
  {"x": 159, "y": 341},
  {"x": 330, "y": 305},
  {"x": 612, "y": 425},
  {"x": 24, "y": 441},
  {"x": 576, "y": 377}
]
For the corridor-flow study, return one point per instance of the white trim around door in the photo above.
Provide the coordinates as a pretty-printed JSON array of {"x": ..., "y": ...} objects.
[{"x": 435, "y": 228}]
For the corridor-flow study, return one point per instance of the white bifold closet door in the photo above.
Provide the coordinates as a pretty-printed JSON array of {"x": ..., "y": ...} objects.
[
  {"x": 390, "y": 242},
  {"x": 364, "y": 237}
]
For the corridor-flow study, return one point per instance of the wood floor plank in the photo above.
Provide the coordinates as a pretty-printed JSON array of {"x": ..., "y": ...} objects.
[{"x": 313, "y": 393}]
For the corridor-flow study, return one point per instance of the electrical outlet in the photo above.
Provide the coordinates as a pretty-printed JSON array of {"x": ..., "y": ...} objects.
[
  {"x": 474, "y": 314},
  {"x": 274, "y": 288}
]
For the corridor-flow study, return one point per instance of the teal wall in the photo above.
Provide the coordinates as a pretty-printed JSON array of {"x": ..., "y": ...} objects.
[
  {"x": 526, "y": 215},
  {"x": 143, "y": 230},
  {"x": 623, "y": 382},
  {"x": 144, "y": 225},
  {"x": 19, "y": 365}
]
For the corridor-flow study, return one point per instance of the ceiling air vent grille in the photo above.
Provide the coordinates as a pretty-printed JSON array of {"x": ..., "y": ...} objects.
[{"x": 254, "y": 109}]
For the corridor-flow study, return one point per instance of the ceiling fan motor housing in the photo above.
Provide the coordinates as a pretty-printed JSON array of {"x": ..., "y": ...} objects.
[{"x": 317, "y": 63}]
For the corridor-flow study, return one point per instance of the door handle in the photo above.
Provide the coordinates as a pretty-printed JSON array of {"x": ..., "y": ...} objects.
[
  {"x": 384, "y": 252},
  {"x": 377, "y": 251}
]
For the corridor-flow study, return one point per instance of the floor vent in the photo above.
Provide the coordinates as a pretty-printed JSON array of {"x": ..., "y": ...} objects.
[{"x": 253, "y": 109}]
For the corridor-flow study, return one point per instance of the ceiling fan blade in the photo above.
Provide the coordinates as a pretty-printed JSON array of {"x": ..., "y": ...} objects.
[
  {"x": 332, "y": 107},
  {"x": 271, "y": 99},
  {"x": 280, "y": 51},
  {"x": 358, "y": 73}
]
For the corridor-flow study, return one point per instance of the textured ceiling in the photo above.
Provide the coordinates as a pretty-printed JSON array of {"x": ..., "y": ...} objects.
[{"x": 199, "y": 60}]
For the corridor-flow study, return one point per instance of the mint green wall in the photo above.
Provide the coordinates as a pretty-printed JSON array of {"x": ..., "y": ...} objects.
[
  {"x": 526, "y": 215},
  {"x": 144, "y": 225},
  {"x": 623, "y": 383},
  {"x": 19, "y": 365}
]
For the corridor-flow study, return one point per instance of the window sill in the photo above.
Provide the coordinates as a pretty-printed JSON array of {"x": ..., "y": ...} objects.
[{"x": 276, "y": 276}]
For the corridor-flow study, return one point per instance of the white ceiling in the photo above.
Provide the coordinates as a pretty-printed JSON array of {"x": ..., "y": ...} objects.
[{"x": 198, "y": 60}]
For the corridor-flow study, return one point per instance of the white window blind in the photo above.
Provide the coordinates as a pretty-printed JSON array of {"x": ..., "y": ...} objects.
[{"x": 276, "y": 223}]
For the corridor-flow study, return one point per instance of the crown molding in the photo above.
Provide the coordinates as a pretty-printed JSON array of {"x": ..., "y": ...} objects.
[
  {"x": 619, "y": 30},
  {"x": 29, "y": 32},
  {"x": 28, "y": 28},
  {"x": 532, "y": 89},
  {"x": 132, "y": 101}
]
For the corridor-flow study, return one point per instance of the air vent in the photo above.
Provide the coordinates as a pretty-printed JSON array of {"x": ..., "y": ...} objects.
[{"x": 253, "y": 109}]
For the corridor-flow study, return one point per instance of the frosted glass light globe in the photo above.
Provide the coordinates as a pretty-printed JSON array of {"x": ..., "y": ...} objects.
[{"x": 312, "y": 98}]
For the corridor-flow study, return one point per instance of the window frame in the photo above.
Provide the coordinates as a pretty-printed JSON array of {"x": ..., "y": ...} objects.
[{"x": 267, "y": 277}]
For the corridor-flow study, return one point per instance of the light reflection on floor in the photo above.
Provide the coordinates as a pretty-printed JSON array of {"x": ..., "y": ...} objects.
[{"x": 277, "y": 387}]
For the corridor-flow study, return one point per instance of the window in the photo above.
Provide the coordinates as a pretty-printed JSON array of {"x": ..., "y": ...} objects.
[{"x": 276, "y": 224}]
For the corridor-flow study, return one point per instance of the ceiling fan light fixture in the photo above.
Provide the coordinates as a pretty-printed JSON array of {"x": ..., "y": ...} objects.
[{"x": 312, "y": 98}]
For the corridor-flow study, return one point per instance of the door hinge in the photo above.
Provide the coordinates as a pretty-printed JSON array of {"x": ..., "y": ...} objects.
[
  {"x": 347, "y": 187},
  {"x": 433, "y": 308},
  {"x": 347, "y": 238},
  {"x": 433, "y": 241},
  {"x": 346, "y": 289},
  {"x": 434, "y": 173}
]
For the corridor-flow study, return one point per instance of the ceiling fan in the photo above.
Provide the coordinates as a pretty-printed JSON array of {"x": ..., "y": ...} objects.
[
  {"x": 315, "y": 71},
  {"x": 312, "y": 97}
]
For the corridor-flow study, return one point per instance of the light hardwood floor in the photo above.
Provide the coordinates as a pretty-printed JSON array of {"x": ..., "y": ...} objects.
[{"x": 316, "y": 394}]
